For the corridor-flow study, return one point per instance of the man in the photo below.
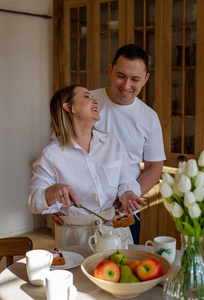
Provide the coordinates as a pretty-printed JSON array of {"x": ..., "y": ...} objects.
[{"x": 136, "y": 124}]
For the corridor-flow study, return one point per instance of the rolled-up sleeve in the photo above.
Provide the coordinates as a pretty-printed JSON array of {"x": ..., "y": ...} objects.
[{"x": 42, "y": 177}]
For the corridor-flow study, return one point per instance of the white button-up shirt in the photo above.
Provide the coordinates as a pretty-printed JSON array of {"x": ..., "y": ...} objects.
[{"x": 97, "y": 177}]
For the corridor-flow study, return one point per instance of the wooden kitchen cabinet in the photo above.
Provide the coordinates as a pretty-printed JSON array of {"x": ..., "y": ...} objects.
[
  {"x": 183, "y": 88},
  {"x": 91, "y": 37},
  {"x": 171, "y": 31}
]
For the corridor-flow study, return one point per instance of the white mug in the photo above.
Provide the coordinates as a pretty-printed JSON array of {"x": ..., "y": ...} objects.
[
  {"x": 38, "y": 263},
  {"x": 59, "y": 285},
  {"x": 164, "y": 246}
]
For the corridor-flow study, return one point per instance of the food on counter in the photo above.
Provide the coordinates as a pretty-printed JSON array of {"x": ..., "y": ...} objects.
[
  {"x": 127, "y": 275},
  {"x": 119, "y": 258},
  {"x": 58, "y": 258},
  {"x": 117, "y": 268},
  {"x": 149, "y": 269},
  {"x": 107, "y": 270},
  {"x": 122, "y": 220},
  {"x": 133, "y": 265}
]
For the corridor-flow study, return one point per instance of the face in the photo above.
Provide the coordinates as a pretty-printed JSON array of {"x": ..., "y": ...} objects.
[
  {"x": 127, "y": 79},
  {"x": 84, "y": 107}
]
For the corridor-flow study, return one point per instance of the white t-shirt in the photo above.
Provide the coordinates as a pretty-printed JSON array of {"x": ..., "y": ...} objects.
[
  {"x": 97, "y": 177},
  {"x": 137, "y": 125}
]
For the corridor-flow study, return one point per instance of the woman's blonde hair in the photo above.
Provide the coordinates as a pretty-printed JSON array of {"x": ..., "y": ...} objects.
[{"x": 61, "y": 120}]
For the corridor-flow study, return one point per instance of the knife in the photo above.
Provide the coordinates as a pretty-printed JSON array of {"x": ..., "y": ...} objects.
[{"x": 105, "y": 221}]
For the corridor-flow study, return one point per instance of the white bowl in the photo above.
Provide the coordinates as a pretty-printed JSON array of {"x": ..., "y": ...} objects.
[
  {"x": 114, "y": 25},
  {"x": 123, "y": 290}
]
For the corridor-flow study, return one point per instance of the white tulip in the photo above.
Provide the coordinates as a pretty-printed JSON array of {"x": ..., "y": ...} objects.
[
  {"x": 201, "y": 159},
  {"x": 178, "y": 174},
  {"x": 191, "y": 168},
  {"x": 176, "y": 210},
  {"x": 194, "y": 210},
  {"x": 166, "y": 177},
  {"x": 165, "y": 190},
  {"x": 189, "y": 198},
  {"x": 199, "y": 194},
  {"x": 184, "y": 183},
  {"x": 167, "y": 205},
  {"x": 176, "y": 190},
  {"x": 182, "y": 165},
  {"x": 199, "y": 179}
]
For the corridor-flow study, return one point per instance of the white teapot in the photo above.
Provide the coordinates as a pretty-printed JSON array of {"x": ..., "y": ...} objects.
[{"x": 106, "y": 242}]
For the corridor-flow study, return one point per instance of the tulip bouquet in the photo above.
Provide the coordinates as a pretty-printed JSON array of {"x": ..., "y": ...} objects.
[
  {"x": 184, "y": 196},
  {"x": 184, "y": 199}
]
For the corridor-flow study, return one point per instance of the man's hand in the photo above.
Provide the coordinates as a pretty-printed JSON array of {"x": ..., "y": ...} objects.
[
  {"x": 131, "y": 202},
  {"x": 56, "y": 218},
  {"x": 117, "y": 205}
]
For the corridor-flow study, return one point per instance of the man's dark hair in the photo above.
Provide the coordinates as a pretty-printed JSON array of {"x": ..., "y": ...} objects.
[{"x": 132, "y": 52}]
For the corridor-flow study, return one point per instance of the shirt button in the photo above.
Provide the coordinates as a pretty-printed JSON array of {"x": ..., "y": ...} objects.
[
  {"x": 88, "y": 159},
  {"x": 101, "y": 196},
  {"x": 95, "y": 177}
]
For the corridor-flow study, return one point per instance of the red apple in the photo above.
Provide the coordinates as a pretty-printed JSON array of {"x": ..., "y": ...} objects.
[
  {"x": 133, "y": 265},
  {"x": 107, "y": 270},
  {"x": 149, "y": 269}
]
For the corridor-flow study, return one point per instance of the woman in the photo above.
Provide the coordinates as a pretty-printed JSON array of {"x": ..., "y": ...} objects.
[{"x": 82, "y": 165}]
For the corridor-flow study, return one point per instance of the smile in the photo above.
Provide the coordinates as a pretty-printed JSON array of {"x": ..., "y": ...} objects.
[
  {"x": 95, "y": 109},
  {"x": 125, "y": 92}
]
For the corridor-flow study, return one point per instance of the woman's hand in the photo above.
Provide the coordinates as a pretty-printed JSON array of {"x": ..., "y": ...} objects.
[
  {"x": 131, "y": 202},
  {"x": 63, "y": 193}
]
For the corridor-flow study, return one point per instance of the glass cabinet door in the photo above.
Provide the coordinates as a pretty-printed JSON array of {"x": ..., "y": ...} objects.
[
  {"x": 109, "y": 27},
  {"x": 77, "y": 41},
  {"x": 183, "y": 96},
  {"x": 109, "y": 35},
  {"x": 144, "y": 36},
  {"x": 141, "y": 31}
]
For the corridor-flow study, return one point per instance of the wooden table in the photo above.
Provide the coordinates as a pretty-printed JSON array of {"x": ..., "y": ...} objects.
[{"x": 14, "y": 282}]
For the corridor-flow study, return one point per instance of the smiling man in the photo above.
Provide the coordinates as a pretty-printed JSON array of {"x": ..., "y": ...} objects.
[
  {"x": 127, "y": 79},
  {"x": 135, "y": 123}
]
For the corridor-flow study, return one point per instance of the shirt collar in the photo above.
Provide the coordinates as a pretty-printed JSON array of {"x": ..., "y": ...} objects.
[{"x": 98, "y": 136}]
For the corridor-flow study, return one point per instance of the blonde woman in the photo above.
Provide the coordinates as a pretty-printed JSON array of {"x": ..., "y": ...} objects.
[{"x": 83, "y": 165}]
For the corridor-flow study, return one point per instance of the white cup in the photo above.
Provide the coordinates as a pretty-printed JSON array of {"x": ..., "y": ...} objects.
[
  {"x": 59, "y": 285},
  {"x": 164, "y": 246},
  {"x": 38, "y": 263}
]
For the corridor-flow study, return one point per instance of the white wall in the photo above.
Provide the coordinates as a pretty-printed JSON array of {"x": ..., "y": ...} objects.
[{"x": 26, "y": 86}]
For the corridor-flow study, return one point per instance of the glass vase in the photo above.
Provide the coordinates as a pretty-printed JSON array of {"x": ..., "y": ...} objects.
[{"x": 185, "y": 278}]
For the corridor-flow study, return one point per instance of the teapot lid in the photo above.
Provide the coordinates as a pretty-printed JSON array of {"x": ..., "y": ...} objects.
[{"x": 109, "y": 235}]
